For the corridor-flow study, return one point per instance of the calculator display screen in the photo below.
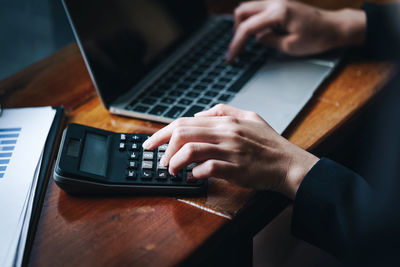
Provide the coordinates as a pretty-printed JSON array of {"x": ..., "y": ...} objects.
[{"x": 94, "y": 156}]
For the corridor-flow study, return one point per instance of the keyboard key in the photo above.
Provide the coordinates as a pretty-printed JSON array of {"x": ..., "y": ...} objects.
[
  {"x": 224, "y": 97},
  {"x": 200, "y": 87},
  {"x": 146, "y": 175},
  {"x": 218, "y": 86},
  {"x": 162, "y": 175},
  {"x": 141, "y": 108},
  {"x": 157, "y": 93},
  {"x": 190, "y": 79},
  {"x": 149, "y": 101},
  {"x": 204, "y": 101},
  {"x": 185, "y": 101},
  {"x": 207, "y": 80},
  {"x": 193, "y": 110},
  {"x": 212, "y": 75},
  {"x": 177, "y": 177},
  {"x": 134, "y": 146},
  {"x": 175, "y": 112},
  {"x": 211, "y": 93},
  {"x": 132, "y": 165},
  {"x": 148, "y": 155},
  {"x": 234, "y": 89},
  {"x": 121, "y": 146},
  {"x": 175, "y": 93},
  {"x": 183, "y": 86},
  {"x": 224, "y": 80},
  {"x": 168, "y": 100},
  {"x": 192, "y": 94},
  {"x": 161, "y": 167},
  {"x": 163, "y": 147},
  {"x": 232, "y": 72},
  {"x": 158, "y": 110},
  {"x": 197, "y": 72},
  {"x": 123, "y": 137},
  {"x": 134, "y": 155},
  {"x": 131, "y": 174},
  {"x": 147, "y": 164},
  {"x": 135, "y": 137}
]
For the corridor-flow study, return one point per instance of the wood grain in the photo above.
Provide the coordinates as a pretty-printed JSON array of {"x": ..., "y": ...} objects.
[{"x": 162, "y": 231}]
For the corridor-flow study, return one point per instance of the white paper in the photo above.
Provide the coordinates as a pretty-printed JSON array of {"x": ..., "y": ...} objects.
[{"x": 28, "y": 128}]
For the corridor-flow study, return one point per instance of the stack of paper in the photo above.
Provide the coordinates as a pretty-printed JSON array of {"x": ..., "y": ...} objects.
[{"x": 23, "y": 134}]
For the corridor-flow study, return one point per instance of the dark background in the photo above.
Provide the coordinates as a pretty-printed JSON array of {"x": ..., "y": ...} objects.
[{"x": 29, "y": 31}]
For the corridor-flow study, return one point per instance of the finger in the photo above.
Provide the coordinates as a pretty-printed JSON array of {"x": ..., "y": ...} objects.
[
  {"x": 214, "y": 168},
  {"x": 245, "y": 10},
  {"x": 222, "y": 110},
  {"x": 245, "y": 30},
  {"x": 271, "y": 39},
  {"x": 184, "y": 135},
  {"x": 196, "y": 152},
  {"x": 226, "y": 110},
  {"x": 163, "y": 135}
]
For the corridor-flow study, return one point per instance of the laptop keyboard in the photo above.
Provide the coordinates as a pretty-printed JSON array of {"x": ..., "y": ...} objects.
[{"x": 201, "y": 78}]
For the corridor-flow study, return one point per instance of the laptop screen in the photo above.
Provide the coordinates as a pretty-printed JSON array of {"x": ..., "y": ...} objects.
[{"x": 122, "y": 40}]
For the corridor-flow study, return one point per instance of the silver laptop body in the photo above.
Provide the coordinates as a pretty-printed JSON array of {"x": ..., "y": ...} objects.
[{"x": 191, "y": 74}]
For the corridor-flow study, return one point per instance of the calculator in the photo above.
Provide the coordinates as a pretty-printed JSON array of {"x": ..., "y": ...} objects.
[{"x": 95, "y": 161}]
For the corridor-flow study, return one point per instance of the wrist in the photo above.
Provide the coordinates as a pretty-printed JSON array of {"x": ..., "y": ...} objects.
[
  {"x": 300, "y": 164},
  {"x": 349, "y": 27}
]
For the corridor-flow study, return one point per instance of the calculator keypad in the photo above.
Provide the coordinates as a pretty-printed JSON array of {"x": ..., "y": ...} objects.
[{"x": 144, "y": 167}]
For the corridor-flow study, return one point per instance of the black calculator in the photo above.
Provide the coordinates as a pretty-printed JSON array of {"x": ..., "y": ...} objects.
[{"x": 95, "y": 161}]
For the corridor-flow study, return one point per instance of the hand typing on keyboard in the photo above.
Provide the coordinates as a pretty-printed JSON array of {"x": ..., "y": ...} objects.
[
  {"x": 235, "y": 145},
  {"x": 295, "y": 28}
]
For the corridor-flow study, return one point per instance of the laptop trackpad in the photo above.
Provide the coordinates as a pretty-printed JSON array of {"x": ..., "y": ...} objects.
[{"x": 279, "y": 90}]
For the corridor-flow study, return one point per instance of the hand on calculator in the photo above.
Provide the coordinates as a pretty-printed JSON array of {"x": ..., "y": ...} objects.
[{"x": 235, "y": 145}]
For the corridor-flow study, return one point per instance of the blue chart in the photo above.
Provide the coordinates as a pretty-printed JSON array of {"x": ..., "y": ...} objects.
[{"x": 8, "y": 140}]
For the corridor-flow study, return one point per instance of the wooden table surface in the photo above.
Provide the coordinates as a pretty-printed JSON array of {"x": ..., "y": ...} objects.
[{"x": 165, "y": 231}]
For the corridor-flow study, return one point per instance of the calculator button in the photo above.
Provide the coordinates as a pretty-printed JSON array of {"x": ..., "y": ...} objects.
[
  {"x": 147, "y": 164},
  {"x": 162, "y": 175},
  {"x": 161, "y": 167},
  {"x": 134, "y": 146},
  {"x": 135, "y": 137},
  {"x": 160, "y": 154},
  {"x": 132, "y": 165},
  {"x": 131, "y": 174},
  {"x": 148, "y": 155},
  {"x": 163, "y": 147},
  {"x": 121, "y": 146},
  {"x": 146, "y": 174},
  {"x": 123, "y": 137},
  {"x": 134, "y": 155},
  {"x": 190, "y": 178},
  {"x": 178, "y": 177}
]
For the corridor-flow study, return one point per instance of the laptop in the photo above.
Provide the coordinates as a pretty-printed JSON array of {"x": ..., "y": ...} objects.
[{"x": 163, "y": 59}]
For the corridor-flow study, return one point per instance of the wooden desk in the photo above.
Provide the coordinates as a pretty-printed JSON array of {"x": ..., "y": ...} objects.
[{"x": 164, "y": 231}]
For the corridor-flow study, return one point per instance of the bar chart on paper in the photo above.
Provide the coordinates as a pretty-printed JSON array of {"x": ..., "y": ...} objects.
[
  {"x": 8, "y": 141},
  {"x": 23, "y": 133}
]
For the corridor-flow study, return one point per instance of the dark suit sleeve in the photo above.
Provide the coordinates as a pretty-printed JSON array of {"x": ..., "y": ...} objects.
[
  {"x": 329, "y": 208},
  {"x": 382, "y": 39}
]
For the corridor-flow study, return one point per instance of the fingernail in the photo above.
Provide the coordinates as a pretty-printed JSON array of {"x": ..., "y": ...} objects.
[
  {"x": 171, "y": 172},
  {"x": 163, "y": 161},
  {"x": 146, "y": 144}
]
